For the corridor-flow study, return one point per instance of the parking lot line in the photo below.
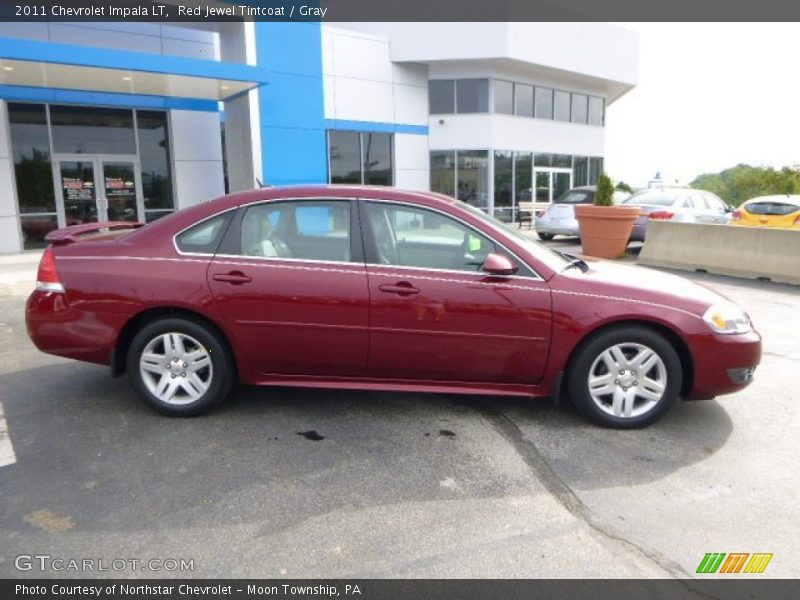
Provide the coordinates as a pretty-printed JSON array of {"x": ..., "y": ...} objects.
[{"x": 7, "y": 456}]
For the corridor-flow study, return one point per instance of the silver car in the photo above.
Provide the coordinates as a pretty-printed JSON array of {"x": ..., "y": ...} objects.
[
  {"x": 559, "y": 217},
  {"x": 677, "y": 204}
]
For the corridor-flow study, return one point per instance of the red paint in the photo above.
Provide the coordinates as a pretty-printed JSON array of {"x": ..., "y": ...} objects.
[{"x": 352, "y": 325}]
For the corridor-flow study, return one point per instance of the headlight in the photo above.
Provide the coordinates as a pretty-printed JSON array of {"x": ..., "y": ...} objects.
[{"x": 727, "y": 318}]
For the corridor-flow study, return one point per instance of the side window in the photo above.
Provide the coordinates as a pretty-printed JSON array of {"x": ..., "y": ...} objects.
[
  {"x": 302, "y": 229},
  {"x": 205, "y": 237},
  {"x": 415, "y": 237},
  {"x": 688, "y": 202},
  {"x": 714, "y": 202}
]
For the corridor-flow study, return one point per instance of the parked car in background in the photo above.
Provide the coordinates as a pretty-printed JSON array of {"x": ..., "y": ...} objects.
[
  {"x": 769, "y": 211},
  {"x": 559, "y": 217},
  {"x": 376, "y": 288},
  {"x": 677, "y": 204}
]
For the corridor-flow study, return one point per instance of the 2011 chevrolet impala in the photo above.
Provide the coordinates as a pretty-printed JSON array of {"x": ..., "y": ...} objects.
[{"x": 377, "y": 288}]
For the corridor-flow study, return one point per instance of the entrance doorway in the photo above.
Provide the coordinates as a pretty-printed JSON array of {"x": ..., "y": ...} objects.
[
  {"x": 97, "y": 188},
  {"x": 551, "y": 183}
]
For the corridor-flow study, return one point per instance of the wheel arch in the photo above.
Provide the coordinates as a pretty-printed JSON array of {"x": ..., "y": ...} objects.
[
  {"x": 672, "y": 336},
  {"x": 139, "y": 320}
]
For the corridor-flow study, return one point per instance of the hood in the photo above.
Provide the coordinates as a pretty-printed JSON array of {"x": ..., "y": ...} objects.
[{"x": 642, "y": 283}]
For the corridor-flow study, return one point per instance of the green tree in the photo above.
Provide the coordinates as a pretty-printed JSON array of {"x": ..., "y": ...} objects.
[
  {"x": 743, "y": 182},
  {"x": 604, "y": 196},
  {"x": 624, "y": 187}
]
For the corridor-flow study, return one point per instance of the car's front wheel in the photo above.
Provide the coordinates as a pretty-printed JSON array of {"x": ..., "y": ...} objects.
[
  {"x": 180, "y": 367},
  {"x": 625, "y": 377},
  {"x": 545, "y": 236}
]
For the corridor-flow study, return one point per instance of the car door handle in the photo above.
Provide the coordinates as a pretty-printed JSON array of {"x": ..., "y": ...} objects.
[
  {"x": 234, "y": 277},
  {"x": 403, "y": 288}
]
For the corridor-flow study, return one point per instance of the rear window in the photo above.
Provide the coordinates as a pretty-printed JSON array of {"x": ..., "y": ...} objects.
[
  {"x": 651, "y": 198},
  {"x": 575, "y": 197},
  {"x": 771, "y": 208},
  {"x": 205, "y": 237}
]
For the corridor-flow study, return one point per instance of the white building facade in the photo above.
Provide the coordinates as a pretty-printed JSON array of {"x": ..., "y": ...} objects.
[{"x": 166, "y": 116}]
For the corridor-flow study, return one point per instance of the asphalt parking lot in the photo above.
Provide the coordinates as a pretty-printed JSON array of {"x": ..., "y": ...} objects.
[{"x": 310, "y": 483}]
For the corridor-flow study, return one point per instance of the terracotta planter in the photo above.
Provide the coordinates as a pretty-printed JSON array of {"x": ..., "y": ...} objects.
[{"x": 605, "y": 230}]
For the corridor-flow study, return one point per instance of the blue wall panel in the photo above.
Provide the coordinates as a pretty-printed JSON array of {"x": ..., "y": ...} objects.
[
  {"x": 37, "y": 94},
  {"x": 291, "y": 105}
]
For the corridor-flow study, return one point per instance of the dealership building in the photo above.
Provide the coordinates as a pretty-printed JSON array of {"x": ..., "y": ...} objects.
[{"x": 131, "y": 121}]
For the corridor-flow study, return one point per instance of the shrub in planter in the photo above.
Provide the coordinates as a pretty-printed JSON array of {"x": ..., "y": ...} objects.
[{"x": 605, "y": 227}]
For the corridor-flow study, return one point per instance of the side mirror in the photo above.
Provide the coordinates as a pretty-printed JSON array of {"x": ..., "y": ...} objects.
[
  {"x": 497, "y": 264},
  {"x": 729, "y": 208}
]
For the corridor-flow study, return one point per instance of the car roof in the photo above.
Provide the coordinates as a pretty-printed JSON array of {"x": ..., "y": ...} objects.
[{"x": 783, "y": 199}]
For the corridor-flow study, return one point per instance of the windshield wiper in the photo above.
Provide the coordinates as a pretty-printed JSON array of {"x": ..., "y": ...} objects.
[{"x": 574, "y": 261}]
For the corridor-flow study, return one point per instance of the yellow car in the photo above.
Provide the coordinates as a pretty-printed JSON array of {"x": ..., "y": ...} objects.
[{"x": 769, "y": 211}]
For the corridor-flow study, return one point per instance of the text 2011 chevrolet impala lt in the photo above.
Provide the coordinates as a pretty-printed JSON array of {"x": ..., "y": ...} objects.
[{"x": 375, "y": 288}]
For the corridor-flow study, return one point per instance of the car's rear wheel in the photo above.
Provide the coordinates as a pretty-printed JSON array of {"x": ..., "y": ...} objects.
[
  {"x": 625, "y": 377},
  {"x": 545, "y": 236},
  {"x": 180, "y": 367}
]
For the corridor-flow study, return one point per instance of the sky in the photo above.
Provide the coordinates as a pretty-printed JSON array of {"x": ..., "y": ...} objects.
[{"x": 710, "y": 96}]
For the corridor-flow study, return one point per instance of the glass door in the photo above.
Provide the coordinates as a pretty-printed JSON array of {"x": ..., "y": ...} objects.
[
  {"x": 78, "y": 192},
  {"x": 551, "y": 183},
  {"x": 97, "y": 189},
  {"x": 119, "y": 191}
]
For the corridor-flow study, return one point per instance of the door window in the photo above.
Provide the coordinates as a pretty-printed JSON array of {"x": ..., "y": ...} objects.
[
  {"x": 309, "y": 230},
  {"x": 415, "y": 237}
]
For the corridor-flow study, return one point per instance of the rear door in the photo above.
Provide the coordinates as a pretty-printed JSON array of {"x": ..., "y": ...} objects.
[
  {"x": 435, "y": 315},
  {"x": 291, "y": 283}
]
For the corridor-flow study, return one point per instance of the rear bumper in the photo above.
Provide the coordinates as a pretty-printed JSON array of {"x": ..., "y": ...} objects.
[
  {"x": 723, "y": 364},
  {"x": 557, "y": 227},
  {"x": 57, "y": 328}
]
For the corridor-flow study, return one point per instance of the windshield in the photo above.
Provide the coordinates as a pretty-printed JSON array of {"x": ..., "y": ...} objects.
[
  {"x": 551, "y": 258},
  {"x": 576, "y": 197},
  {"x": 652, "y": 197}
]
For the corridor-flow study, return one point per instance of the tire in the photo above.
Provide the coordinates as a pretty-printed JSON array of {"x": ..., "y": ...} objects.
[
  {"x": 617, "y": 398},
  {"x": 192, "y": 382},
  {"x": 546, "y": 237}
]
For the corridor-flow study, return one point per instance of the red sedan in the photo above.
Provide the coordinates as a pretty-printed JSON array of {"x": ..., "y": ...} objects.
[{"x": 376, "y": 288}]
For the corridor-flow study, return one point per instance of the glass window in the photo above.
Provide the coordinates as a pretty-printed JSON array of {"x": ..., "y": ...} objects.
[
  {"x": 473, "y": 177},
  {"x": 205, "y": 237},
  {"x": 562, "y": 161},
  {"x": 35, "y": 227},
  {"x": 92, "y": 130},
  {"x": 344, "y": 151},
  {"x": 523, "y": 173},
  {"x": 579, "y": 108},
  {"x": 441, "y": 97},
  {"x": 544, "y": 103},
  {"x": 30, "y": 144},
  {"x": 304, "y": 229},
  {"x": 561, "y": 106},
  {"x": 503, "y": 97},
  {"x": 543, "y": 160},
  {"x": 596, "y": 110},
  {"x": 523, "y": 100},
  {"x": 377, "y": 150},
  {"x": 595, "y": 168},
  {"x": 580, "y": 171},
  {"x": 714, "y": 202},
  {"x": 415, "y": 237},
  {"x": 771, "y": 208},
  {"x": 154, "y": 159},
  {"x": 503, "y": 185},
  {"x": 472, "y": 96},
  {"x": 443, "y": 172}
]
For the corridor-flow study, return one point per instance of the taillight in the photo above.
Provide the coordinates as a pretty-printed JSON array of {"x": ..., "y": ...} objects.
[
  {"x": 797, "y": 221},
  {"x": 737, "y": 215},
  {"x": 47, "y": 279},
  {"x": 661, "y": 214}
]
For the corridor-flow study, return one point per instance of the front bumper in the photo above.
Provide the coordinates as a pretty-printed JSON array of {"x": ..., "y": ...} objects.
[{"x": 723, "y": 364}]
